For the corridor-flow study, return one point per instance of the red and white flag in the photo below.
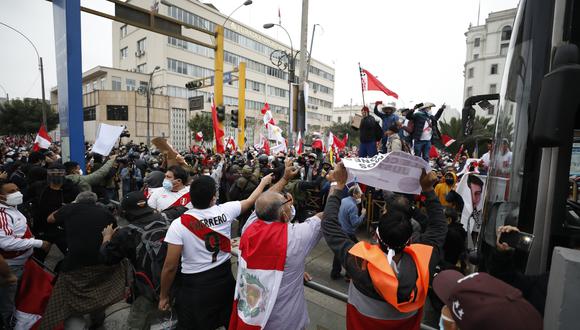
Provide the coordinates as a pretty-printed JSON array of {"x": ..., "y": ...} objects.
[
  {"x": 447, "y": 140},
  {"x": 266, "y": 146},
  {"x": 231, "y": 144},
  {"x": 299, "y": 144},
  {"x": 261, "y": 265},
  {"x": 42, "y": 140},
  {"x": 33, "y": 294},
  {"x": 218, "y": 132},
  {"x": 265, "y": 109},
  {"x": 199, "y": 136},
  {"x": 371, "y": 83}
]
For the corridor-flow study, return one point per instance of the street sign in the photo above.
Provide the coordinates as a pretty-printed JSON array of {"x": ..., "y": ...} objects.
[{"x": 196, "y": 103}]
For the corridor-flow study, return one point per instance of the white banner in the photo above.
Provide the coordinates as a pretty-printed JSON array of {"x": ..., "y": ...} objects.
[
  {"x": 396, "y": 171},
  {"x": 107, "y": 136}
]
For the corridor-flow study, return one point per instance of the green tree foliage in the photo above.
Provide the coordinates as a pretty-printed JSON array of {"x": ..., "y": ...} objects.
[
  {"x": 202, "y": 122},
  {"x": 483, "y": 130},
  {"x": 20, "y": 117},
  {"x": 340, "y": 129}
]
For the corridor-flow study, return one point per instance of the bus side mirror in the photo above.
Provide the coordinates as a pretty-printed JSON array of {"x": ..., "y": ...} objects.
[{"x": 559, "y": 99}]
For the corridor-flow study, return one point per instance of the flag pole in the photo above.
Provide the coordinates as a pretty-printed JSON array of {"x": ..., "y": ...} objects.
[{"x": 361, "y": 84}]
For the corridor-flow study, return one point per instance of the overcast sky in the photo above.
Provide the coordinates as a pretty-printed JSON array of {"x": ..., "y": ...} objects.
[{"x": 415, "y": 47}]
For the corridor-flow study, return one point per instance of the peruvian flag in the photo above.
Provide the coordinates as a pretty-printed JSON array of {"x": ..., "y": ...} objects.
[
  {"x": 266, "y": 146},
  {"x": 340, "y": 144},
  {"x": 318, "y": 144},
  {"x": 433, "y": 153},
  {"x": 261, "y": 266},
  {"x": 42, "y": 140},
  {"x": 33, "y": 294},
  {"x": 265, "y": 109},
  {"x": 299, "y": 144},
  {"x": 231, "y": 144},
  {"x": 218, "y": 132},
  {"x": 199, "y": 136},
  {"x": 269, "y": 118},
  {"x": 373, "y": 84},
  {"x": 447, "y": 140}
]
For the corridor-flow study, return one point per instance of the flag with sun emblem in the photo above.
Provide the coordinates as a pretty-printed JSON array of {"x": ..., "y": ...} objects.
[{"x": 261, "y": 265}]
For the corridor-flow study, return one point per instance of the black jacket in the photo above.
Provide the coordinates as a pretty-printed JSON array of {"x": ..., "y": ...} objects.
[
  {"x": 419, "y": 118},
  {"x": 340, "y": 244},
  {"x": 370, "y": 130}
]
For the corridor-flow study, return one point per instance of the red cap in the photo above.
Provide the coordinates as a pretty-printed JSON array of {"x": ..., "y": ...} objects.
[{"x": 481, "y": 301}]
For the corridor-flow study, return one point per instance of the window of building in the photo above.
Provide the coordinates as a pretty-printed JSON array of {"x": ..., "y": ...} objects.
[
  {"x": 130, "y": 84},
  {"x": 141, "y": 45},
  {"x": 123, "y": 31},
  {"x": 476, "y": 42},
  {"x": 143, "y": 85},
  {"x": 103, "y": 83},
  {"x": 492, "y": 89},
  {"x": 475, "y": 56},
  {"x": 117, "y": 112},
  {"x": 504, "y": 49},
  {"x": 89, "y": 88},
  {"x": 95, "y": 85},
  {"x": 493, "y": 69},
  {"x": 124, "y": 52},
  {"x": 506, "y": 33},
  {"x": 339, "y": 119},
  {"x": 275, "y": 91},
  {"x": 470, "y": 73},
  {"x": 469, "y": 91},
  {"x": 116, "y": 83},
  {"x": 89, "y": 113},
  {"x": 142, "y": 68}
]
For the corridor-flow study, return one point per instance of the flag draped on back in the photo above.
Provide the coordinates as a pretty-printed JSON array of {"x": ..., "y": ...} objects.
[
  {"x": 33, "y": 294},
  {"x": 218, "y": 132},
  {"x": 373, "y": 84},
  {"x": 261, "y": 265},
  {"x": 42, "y": 140}
]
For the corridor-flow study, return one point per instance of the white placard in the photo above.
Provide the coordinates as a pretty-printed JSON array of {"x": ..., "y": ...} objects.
[
  {"x": 396, "y": 171},
  {"x": 107, "y": 136}
]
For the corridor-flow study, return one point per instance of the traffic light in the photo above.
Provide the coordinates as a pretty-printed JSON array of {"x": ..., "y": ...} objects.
[
  {"x": 194, "y": 84},
  {"x": 234, "y": 121},
  {"x": 221, "y": 112}
]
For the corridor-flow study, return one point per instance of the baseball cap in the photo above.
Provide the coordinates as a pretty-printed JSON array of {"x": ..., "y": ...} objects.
[
  {"x": 481, "y": 301},
  {"x": 135, "y": 204}
]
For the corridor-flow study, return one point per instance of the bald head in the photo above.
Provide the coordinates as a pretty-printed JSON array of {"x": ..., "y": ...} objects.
[{"x": 269, "y": 206}]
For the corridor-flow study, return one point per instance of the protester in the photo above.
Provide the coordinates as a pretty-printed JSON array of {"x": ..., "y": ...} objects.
[
  {"x": 393, "y": 141},
  {"x": 84, "y": 182},
  {"x": 442, "y": 189},
  {"x": 390, "y": 279},
  {"x": 480, "y": 301},
  {"x": 370, "y": 133},
  {"x": 16, "y": 244},
  {"x": 389, "y": 119},
  {"x": 199, "y": 243},
  {"x": 175, "y": 192},
  {"x": 153, "y": 182},
  {"x": 349, "y": 220},
  {"x": 269, "y": 242}
]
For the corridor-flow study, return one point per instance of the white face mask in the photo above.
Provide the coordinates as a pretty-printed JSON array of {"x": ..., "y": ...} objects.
[
  {"x": 14, "y": 199},
  {"x": 358, "y": 200},
  {"x": 80, "y": 172},
  {"x": 292, "y": 213}
]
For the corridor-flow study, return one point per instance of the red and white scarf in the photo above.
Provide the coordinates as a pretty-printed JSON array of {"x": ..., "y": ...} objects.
[{"x": 261, "y": 266}]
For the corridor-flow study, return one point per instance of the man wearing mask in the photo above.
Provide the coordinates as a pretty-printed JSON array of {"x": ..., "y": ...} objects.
[
  {"x": 273, "y": 251},
  {"x": 349, "y": 220},
  {"x": 389, "y": 119},
  {"x": 16, "y": 244},
  {"x": 84, "y": 182},
  {"x": 442, "y": 189},
  {"x": 200, "y": 241},
  {"x": 175, "y": 192}
]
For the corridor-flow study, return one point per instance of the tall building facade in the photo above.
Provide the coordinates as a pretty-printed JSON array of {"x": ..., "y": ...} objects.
[
  {"x": 487, "y": 47},
  {"x": 140, "y": 51}
]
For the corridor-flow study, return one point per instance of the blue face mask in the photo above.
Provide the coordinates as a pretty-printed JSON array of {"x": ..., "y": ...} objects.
[{"x": 167, "y": 184}]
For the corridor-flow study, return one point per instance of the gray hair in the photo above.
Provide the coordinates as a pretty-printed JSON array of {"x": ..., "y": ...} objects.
[
  {"x": 269, "y": 207},
  {"x": 88, "y": 197}
]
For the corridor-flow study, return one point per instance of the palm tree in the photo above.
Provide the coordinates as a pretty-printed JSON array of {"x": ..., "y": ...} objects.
[{"x": 482, "y": 131}]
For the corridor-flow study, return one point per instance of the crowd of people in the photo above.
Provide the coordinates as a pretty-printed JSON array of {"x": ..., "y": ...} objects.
[{"x": 156, "y": 230}]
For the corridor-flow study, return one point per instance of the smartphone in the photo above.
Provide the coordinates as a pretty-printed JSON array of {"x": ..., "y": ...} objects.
[{"x": 518, "y": 240}]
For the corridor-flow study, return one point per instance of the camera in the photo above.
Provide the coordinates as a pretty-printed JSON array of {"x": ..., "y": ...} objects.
[{"x": 125, "y": 133}]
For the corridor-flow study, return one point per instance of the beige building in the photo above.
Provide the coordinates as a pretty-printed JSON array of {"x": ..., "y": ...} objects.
[
  {"x": 140, "y": 51},
  {"x": 487, "y": 47}
]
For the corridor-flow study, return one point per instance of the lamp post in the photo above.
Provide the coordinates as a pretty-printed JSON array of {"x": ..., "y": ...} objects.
[
  {"x": 149, "y": 89},
  {"x": 291, "y": 58},
  {"x": 246, "y": 3},
  {"x": 41, "y": 68},
  {"x": 5, "y": 92}
]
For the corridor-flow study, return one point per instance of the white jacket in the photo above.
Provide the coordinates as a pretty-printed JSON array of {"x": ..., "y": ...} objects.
[{"x": 16, "y": 240}]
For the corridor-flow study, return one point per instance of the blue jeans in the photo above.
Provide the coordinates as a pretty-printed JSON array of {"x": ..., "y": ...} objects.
[
  {"x": 367, "y": 149},
  {"x": 421, "y": 149}
]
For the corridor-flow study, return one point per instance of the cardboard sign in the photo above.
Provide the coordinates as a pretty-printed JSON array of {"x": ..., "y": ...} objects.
[
  {"x": 107, "y": 137},
  {"x": 396, "y": 171}
]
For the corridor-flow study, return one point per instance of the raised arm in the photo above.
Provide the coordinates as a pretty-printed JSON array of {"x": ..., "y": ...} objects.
[{"x": 248, "y": 203}]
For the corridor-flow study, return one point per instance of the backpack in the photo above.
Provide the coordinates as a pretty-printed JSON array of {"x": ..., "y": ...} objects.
[{"x": 149, "y": 258}]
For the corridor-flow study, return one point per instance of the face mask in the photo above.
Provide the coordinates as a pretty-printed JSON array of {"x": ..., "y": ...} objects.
[
  {"x": 167, "y": 184},
  {"x": 80, "y": 172},
  {"x": 449, "y": 181},
  {"x": 56, "y": 180},
  {"x": 207, "y": 174},
  {"x": 292, "y": 213},
  {"x": 14, "y": 199},
  {"x": 358, "y": 200}
]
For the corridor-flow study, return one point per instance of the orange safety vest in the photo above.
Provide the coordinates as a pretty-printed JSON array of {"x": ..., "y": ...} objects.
[{"x": 384, "y": 279}]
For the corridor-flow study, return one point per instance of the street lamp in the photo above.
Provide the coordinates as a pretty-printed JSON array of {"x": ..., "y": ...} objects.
[
  {"x": 149, "y": 104},
  {"x": 5, "y": 92},
  {"x": 291, "y": 71},
  {"x": 40, "y": 66},
  {"x": 246, "y": 3}
]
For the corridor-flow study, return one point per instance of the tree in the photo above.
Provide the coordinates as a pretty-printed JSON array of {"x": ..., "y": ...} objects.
[
  {"x": 340, "y": 129},
  {"x": 20, "y": 117},
  {"x": 202, "y": 122}
]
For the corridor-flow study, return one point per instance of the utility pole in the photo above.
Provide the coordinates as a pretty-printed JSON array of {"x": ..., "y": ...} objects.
[
  {"x": 43, "y": 93},
  {"x": 301, "y": 113},
  {"x": 241, "y": 105}
]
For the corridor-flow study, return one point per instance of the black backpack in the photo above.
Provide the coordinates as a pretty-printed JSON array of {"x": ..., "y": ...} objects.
[{"x": 149, "y": 258}]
